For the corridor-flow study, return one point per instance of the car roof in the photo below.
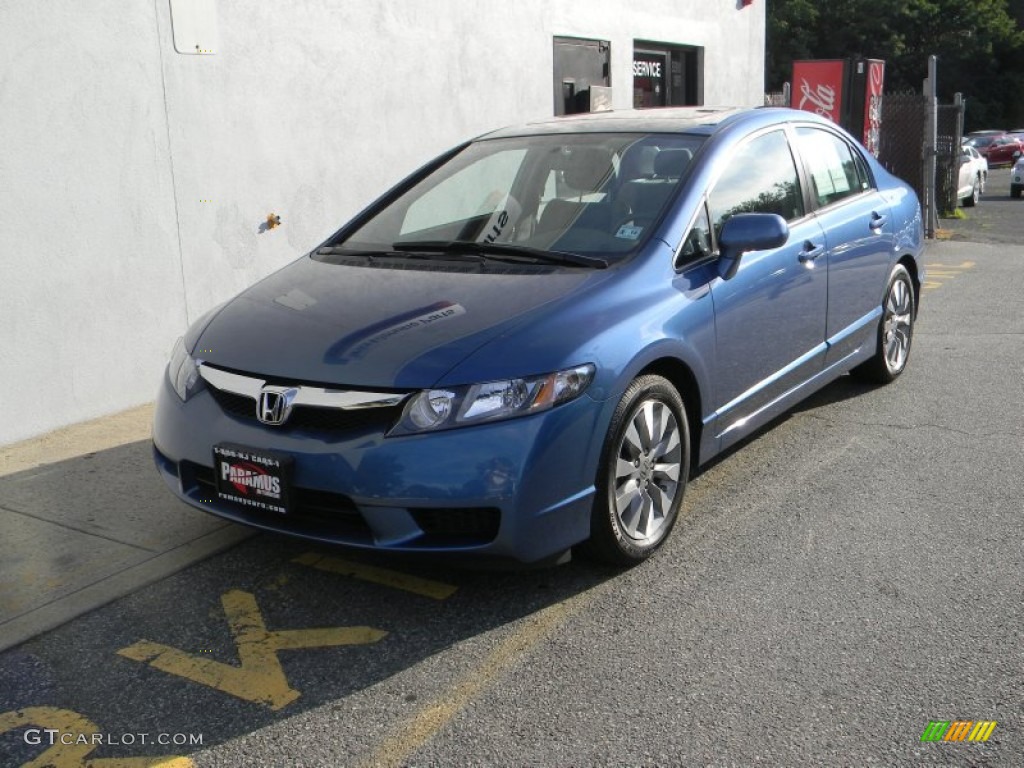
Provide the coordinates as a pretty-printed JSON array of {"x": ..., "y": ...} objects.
[{"x": 702, "y": 121}]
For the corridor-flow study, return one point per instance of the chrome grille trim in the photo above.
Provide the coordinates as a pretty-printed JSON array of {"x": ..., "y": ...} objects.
[{"x": 315, "y": 397}]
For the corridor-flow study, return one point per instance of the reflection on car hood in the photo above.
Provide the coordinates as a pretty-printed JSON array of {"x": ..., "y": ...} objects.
[{"x": 373, "y": 327}]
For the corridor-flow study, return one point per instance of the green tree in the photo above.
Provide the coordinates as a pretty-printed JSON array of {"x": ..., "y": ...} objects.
[{"x": 979, "y": 44}]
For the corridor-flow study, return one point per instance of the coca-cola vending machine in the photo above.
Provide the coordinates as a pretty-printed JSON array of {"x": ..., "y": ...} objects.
[{"x": 846, "y": 91}]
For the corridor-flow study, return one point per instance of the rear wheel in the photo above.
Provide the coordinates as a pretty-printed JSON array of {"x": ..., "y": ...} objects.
[
  {"x": 1015, "y": 190},
  {"x": 642, "y": 478},
  {"x": 895, "y": 331}
]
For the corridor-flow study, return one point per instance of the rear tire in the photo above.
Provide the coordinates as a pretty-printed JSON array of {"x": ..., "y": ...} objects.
[
  {"x": 972, "y": 200},
  {"x": 642, "y": 477},
  {"x": 1015, "y": 190},
  {"x": 895, "y": 331}
]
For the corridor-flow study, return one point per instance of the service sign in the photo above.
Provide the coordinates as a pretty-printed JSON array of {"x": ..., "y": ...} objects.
[{"x": 818, "y": 87}]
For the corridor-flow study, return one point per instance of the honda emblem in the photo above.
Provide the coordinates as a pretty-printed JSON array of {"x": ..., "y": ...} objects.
[{"x": 275, "y": 405}]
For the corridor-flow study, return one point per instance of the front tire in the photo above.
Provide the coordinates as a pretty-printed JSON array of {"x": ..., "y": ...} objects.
[
  {"x": 1015, "y": 190},
  {"x": 895, "y": 331},
  {"x": 642, "y": 477}
]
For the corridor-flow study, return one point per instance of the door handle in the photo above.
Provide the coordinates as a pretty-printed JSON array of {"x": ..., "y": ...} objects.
[
  {"x": 877, "y": 220},
  {"x": 810, "y": 252}
]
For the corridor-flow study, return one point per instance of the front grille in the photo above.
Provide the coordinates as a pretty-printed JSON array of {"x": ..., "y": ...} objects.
[
  {"x": 470, "y": 525},
  {"x": 234, "y": 405},
  {"x": 312, "y": 511},
  {"x": 310, "y": 419}
]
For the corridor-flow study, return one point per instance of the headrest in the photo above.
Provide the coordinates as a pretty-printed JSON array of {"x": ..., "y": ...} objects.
[
  {"x": 586, "y": 168},
  {"x": 638, "y": 162},
  {"x": 672, "y": 162},
  {"x": 645, "y": 198}
]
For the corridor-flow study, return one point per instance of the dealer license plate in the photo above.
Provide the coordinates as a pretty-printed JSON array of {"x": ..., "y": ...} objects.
[{"x": 252, "y": 478}]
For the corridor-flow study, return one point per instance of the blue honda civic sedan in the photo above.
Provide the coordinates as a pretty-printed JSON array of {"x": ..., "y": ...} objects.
[{"x": 533, "y": 341}]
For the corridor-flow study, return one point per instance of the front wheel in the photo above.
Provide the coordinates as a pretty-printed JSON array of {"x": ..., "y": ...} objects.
[
  {"x": 895, "y": 331},
  {"x": 1015, "y": 190},
  {"x": 643, "y": 472}
]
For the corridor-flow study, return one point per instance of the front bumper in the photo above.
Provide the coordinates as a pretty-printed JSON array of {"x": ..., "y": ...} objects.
[{"x": 520, "y": 489}]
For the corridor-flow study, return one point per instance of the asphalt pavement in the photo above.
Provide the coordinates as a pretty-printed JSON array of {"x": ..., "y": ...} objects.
[
  {"x": 996, "y": 218},
  {"x": 843, "y": 579}
]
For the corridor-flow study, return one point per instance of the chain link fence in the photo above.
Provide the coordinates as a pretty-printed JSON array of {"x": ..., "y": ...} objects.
[
  {"x": 901, "y": 137},
  {"x": 950, "y": 123},
  {"x": 903, "y": 145}
]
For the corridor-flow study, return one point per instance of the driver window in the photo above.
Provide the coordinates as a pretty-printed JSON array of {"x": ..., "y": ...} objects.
[{"x": 760, "y": 178}]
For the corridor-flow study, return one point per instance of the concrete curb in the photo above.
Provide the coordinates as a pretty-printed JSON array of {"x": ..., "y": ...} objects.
[
  {"x": 87, "y": 520},
  {"x": 53, "y": 614}
]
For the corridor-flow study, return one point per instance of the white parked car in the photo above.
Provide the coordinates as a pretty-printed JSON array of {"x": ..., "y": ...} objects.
[{"x": 973, "y": 175}]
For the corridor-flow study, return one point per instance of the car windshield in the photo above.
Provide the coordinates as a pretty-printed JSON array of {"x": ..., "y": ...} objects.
[{"x": 588, "y": 194}]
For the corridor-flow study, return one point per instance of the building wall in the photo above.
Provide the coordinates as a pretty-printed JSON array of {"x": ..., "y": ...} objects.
[{"x": 134, "y": 179}]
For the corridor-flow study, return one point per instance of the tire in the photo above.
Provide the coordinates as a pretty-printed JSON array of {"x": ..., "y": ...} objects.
[
  {"x": 1015, "y": 190},
  {"x": 639, "y": 497},
  {"x": 972, "y": 200},
  {"x": 895, "y": 331}
]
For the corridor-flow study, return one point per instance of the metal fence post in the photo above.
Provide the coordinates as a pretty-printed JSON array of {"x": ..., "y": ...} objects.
[{"x": 931, "y": 141}]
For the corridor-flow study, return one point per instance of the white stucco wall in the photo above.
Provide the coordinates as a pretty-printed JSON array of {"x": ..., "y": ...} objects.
[{"x": 112, "y": 142}]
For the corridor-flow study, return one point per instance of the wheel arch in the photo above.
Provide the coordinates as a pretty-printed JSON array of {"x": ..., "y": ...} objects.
[
  {"x": 683, "y": 379},
  {"x": 910, "y": 263}
]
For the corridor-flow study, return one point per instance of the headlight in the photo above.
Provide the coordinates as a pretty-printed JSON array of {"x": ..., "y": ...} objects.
[
  {"x": 182, "y": 370},
  {"x": 444, "y": 408}
]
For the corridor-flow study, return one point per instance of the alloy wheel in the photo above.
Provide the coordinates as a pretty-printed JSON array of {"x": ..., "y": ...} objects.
[
  {"x": 647, "y": 471},
  {"x": 897, "y": 325}
]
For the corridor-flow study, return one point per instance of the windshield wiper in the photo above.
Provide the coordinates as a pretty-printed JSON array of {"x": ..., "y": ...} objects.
[
  {"x": 503, "y": 252},
  {"x": 397, "y": 253}
]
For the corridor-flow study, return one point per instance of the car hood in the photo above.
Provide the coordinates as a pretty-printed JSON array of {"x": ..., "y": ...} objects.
[{"x": 373, "y": 326}]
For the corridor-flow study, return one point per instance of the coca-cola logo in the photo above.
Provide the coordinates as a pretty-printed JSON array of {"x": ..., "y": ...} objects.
[
  {"x": 875, "y": 73},
  {"x": 822, "y": 97}
]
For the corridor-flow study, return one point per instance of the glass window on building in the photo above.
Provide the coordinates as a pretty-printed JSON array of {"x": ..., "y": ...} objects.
[
  {"x": 667, "y": 75},
  {"x": 582, "y": 75}
]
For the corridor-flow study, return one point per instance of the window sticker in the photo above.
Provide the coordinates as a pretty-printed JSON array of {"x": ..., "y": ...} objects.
[{"x": 627, "y": 232}]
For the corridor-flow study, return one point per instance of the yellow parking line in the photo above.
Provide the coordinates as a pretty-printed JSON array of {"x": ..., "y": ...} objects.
[
  {"x": 418, "y": 730},
  {"x": 437, "y": 590},
  {"x": 259, "y": 677},
  {"x": 937, "y": 274}
]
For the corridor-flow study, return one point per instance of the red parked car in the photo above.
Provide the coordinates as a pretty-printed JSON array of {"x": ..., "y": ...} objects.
[{"x": 998, "y": 149}]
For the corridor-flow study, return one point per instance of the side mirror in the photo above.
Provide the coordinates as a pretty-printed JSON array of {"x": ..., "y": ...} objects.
[{"x": 749, "y": 232}]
